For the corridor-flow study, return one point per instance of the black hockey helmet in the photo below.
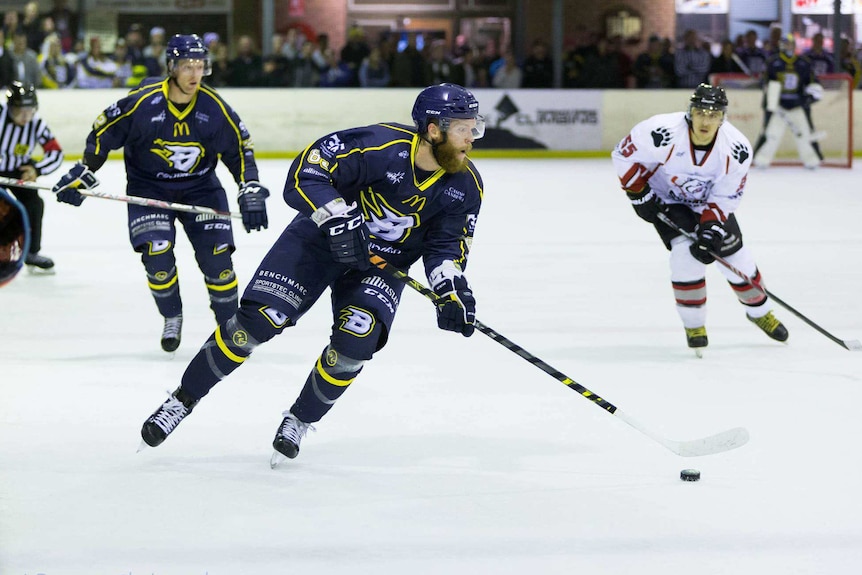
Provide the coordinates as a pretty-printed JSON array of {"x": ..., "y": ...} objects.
[
  {"x": 445, "y": 102},
  {"x": 14, "y": 236},
  {"x": 707, "y": 97},
  {"x": 22, "y": 95}
]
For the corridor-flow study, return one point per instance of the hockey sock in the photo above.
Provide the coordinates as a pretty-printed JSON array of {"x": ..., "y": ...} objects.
[
  {"x": 162, "y": 279},
  {"x": 221, "y": 282},
  {"x": 747, "y": 294},
  {"x": 229, "y": 346},
  {"x": 328, "y": 380}
]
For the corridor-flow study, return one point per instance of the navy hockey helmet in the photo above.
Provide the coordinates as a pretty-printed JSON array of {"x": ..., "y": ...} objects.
[
  {"x": 22, "y": 95},
  {"x": 187, "y": 47},
  {"x": 708, "y": 97},
  {"x": 445, "y": 102},
  {"x": 14, "y": 236}
]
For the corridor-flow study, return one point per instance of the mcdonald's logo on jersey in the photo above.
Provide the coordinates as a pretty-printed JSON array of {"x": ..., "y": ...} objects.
[{"x": 181, "y": 129}]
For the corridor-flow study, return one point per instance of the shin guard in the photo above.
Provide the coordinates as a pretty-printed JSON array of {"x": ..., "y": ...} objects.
[
  {"x": 328, "y": 380},
  {"x": 162, "y": 279}
]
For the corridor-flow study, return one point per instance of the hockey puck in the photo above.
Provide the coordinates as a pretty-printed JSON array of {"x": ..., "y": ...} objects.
[{"x": 689, "y": 475}]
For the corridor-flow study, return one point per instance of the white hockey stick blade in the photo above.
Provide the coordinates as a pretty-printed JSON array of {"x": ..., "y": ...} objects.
[
  {"x": 718, "y": 443},
  {"x": 853, "y": 344}
]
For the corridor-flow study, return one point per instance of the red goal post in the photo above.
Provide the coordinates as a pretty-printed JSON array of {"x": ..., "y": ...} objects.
[{"x": 832, "y": 117}]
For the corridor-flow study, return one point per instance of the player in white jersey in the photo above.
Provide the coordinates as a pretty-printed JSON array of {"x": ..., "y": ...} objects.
[{"x": 692, "y": 166}]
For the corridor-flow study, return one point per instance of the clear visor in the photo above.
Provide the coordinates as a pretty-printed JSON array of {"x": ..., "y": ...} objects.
[
  {"x": 707, "y": 113},
  {"x": 192, "y": 65},
  {"x": 462, "y": 128}
]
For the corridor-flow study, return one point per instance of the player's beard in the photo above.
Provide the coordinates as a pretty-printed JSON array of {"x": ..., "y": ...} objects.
[{"x": 447, "y": 156}]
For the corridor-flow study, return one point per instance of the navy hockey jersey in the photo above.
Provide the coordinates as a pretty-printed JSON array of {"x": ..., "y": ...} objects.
[
  {"x": 410, "y": 213},
  {"x": 174, "y": 147},
  {"x": 794, "y": 74}
]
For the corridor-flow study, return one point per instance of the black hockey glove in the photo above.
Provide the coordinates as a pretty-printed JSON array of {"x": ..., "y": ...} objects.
[
  {"x": 346, "y": 231},
  {"x": 80, "y": 176},
  {"x": 457, "y": 309},
  {"x": 646, "y": 204},
  {"x": 252, "y": 205},
  {"x": 710, "y": 235}
]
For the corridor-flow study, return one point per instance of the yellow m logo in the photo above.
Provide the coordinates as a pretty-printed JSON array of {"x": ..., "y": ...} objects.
[{"x": 181, "y": 129}]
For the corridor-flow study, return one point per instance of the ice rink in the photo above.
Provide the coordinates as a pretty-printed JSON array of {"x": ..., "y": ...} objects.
[{"x": 450, "y": 455}]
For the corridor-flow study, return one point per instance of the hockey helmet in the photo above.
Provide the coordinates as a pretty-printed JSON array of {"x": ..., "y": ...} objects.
[
  {"x": 14, "y": 236},
  {"x": 787, "y": 45},
  {"x": 22, "y": 95},
  {"x": 187, "y": 47},
  {"x": 445, "y": 102},
  {"x": 707, "y": 97}
]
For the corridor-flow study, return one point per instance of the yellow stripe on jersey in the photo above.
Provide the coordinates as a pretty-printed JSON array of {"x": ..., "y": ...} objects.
[
  {"x": 233, "y": 125},
  {"x": 155, "y": 90},
  {"x": 225, "y": 349},
  {"x": 414, "y": 147}
]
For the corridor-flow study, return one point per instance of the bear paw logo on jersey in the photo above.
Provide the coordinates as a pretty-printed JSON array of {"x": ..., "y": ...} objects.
[
  {"x": 660, "y": 137},
  {"x": 740, "y": 152}
]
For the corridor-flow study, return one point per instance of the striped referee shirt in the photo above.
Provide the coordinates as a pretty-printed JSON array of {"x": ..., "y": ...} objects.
[{"x": 17, "y": 144}]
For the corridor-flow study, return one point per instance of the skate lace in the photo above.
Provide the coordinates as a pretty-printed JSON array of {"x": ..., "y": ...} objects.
[
  {"x": 293, "y": 429},
  {"x": 172, "y": 327},
  {"x": 170, "y": 414},
  {"x": 695, "y": 332},
  {"x": 767, "y": 323}
]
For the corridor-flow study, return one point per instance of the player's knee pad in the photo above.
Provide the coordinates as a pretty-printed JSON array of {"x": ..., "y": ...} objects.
[
  {"x": 683, "y": 266},
  {"x": 160, "y": 263},
  {"x": 358, "y": 333},
  {"x": 260, "y": 323},
  {"x": 220, "y": 280}
]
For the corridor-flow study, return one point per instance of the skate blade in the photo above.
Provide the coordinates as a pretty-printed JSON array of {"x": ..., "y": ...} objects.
[
  {"x": 276, "y": 459},
  {"x": 37, "y": 271},
  {"x": 698, "y": 352},
  {"x": 142, "y": 447}
]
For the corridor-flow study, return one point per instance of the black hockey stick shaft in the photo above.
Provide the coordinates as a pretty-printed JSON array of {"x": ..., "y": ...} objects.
[
  {"x": 720, "y": 442},
  {"x": 852, "y": 345}
]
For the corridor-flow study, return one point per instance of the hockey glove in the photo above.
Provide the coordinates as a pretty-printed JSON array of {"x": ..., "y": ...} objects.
[
  {"x": 346, "y": 231},
  {"x": 80, "y": 176},
  {"x": 456, "y": 310},
  {"x": 646, "y": 204},
  {"x": 252, "y": 205},
  {"x": 710, "y": 235}
]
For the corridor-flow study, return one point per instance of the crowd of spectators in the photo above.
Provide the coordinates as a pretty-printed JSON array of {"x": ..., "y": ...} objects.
[{"x": 45, "y": 50}]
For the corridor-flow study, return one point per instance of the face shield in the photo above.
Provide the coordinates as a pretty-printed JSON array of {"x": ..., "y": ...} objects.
[{"x": 463, "y": 128}]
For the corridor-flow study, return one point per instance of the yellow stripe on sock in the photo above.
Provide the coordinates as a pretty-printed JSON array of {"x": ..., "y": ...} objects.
[
  {"x": 330, "y": 379},
  {"x": 224, "y": 348}
]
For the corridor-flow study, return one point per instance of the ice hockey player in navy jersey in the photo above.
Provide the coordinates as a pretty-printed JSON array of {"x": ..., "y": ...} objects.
[
  {"x": 693, "y": 166},
  {"x": 173, "y": 131},
  {"x": 401, "y": 192}
]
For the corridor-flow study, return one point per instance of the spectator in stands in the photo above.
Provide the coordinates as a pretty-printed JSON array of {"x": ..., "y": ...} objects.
[
  {"x": 822, "y": 61},
  {"x": 25, "y": 61},
  {"x": 7, "y": 65},
  {"x": 65, "y": 23},
  {"x": 337, "y": 74},
  {"x": 438, "y": 68},
  {"x": 374, "y": 72},
  {"x": 306, "y": 74},
  {"x": 96, "y": 69},
  {"x": 355, "y": 51},
  {"x": 538, "y": 67},
  {"x": 136, "y": 55},
  {"x": 691, "y": 62},
  {"x": 57, "y": 72},
  {"x": 653, "y": 68},
  {"x": 124, "y": 64},
  {"x": 220, "y": 64},
  {"x": 157, "y": 49},
  {"x": 290, "y": 48},
  {"x": 602, "y": 67},
  {"x": 726, "y": 62},
  {"x": 509, "y": 75},
  {"x": 471, "y": 75},
  {"x": 276, "y": 66},
  {"x": 10, "y": 25},
  {"x": 408, "y": 66},
  {"x": 32, "y": 25},
  {"x": 850, "y": 63},
  {"x": 246, "y": 70},
  {"x": 752, "y": 55}
]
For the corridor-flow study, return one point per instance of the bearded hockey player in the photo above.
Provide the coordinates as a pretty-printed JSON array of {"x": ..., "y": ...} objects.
[{"x": 692, "y": 166}]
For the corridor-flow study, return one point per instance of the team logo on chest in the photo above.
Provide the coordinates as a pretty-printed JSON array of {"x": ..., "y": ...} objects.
[
  {"x": 181, "y": 156},
  {"x": 384, "y": 221}
]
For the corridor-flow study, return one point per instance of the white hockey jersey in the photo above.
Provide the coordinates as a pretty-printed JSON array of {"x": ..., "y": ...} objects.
[{"x": 659, "y": 151}]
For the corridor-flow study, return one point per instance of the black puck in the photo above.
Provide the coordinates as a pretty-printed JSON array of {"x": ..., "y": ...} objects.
[{"x": 689, "y": 475}]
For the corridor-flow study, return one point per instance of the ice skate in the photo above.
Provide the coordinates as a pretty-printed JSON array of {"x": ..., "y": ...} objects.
[
  {"x": 166, "y": 418},
  {"x": 172, "y": 332},
  {"x": 288, "y": 438},
  {"x": 697, "y": 340},
  {"x": 39, "y": 264},
  {"x": 770, "y": 326}
]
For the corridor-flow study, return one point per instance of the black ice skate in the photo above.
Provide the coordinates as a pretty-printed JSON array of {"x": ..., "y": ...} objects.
[
  {"x": 770, "y": 326},
  {"x": 288, "y": 438},
  {"x": 39, "y": 264},
  {"x": 172, "y": 332},
  {"x": 166, "y": 418},
  {"x": 697, "y": 340}
]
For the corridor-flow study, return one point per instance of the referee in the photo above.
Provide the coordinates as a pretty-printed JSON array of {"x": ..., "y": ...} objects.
[{"x": 21, "y": 129}]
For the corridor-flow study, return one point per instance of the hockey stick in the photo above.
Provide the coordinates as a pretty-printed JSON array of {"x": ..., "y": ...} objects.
[
  {"x": 849, "y": 344},
  {"x": 128, "y": 199},
  {"x": 724, "y": 441}
]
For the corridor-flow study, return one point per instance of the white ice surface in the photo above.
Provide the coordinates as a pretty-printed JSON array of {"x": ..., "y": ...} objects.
[{"x": 450, "y": 455}]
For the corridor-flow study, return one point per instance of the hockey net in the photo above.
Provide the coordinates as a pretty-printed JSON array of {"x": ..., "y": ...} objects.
[{"x": 832, "y": 117}]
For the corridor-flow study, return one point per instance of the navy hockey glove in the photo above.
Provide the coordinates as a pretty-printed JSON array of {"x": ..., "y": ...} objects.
[
  {"x": 457, "y": 309},
  {"x": 646, "y": 204},
  {"x": 252, "y": 205},
  {"x": 346, "y": 231},
  {"x": 710, "y": 235},
  {"x": 80, "y": 176}
]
